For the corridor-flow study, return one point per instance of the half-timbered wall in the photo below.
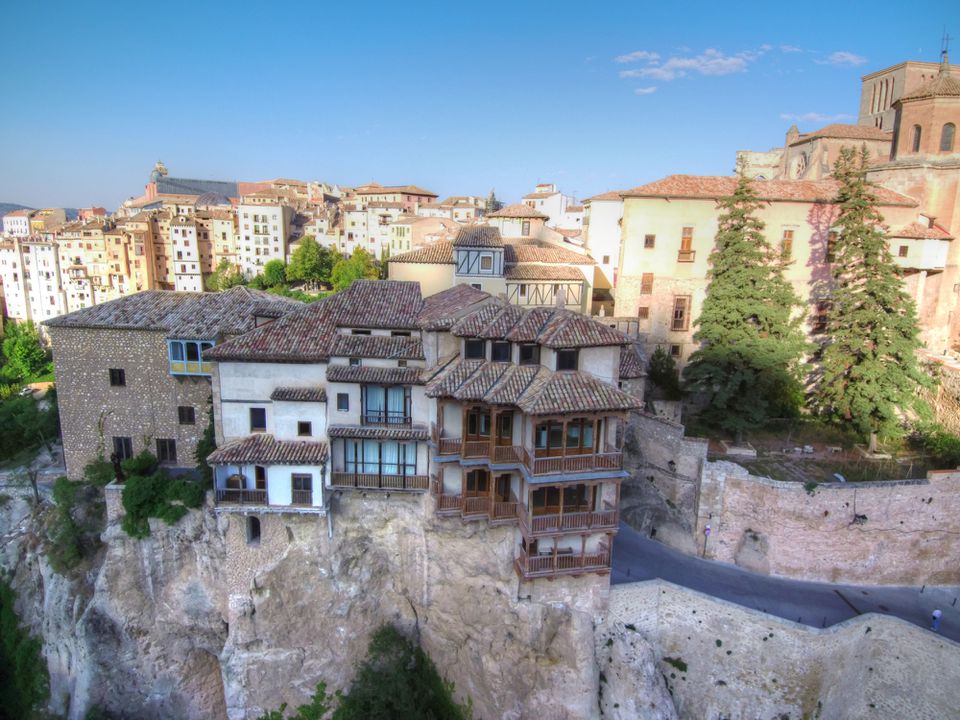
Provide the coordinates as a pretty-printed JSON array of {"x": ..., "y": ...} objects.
[
  {"x": 470, "y": 261},
  {"x": 534, "y": 294}
]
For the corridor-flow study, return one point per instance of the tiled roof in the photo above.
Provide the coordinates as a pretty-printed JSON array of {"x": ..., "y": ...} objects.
[
  {"x": 539, "y": 195},
  {"x": 574, "y": 208},
  {"x": 943, "y": 85},
  {"x": 378, "y": 375},
  {"x": 532, "y": 388},
  {"x": 539, "y": 251},
  {"x": 375, "y": 189},
  {"x": 438, "y": 253},
  {"x": 478, "y": 236},
  {"x": 440, "y": 311},
  {"x": 200, "y": 316},
  {"x": 921, "y": 232},
  {"x": 365, "y": 432},
  {"x": 710, "y": 187},
  {"x": 376, "y": 346},
  {"x": 542, "y": 272},
  {"x": 518, "y": 210},
  {"x": 296, "y": 394},
  {"x": 631, "y": 364},
  {"x": 850, "y": 132},
  {"x": 264, "y": 449},
  {"x": 611, "y": 195}
]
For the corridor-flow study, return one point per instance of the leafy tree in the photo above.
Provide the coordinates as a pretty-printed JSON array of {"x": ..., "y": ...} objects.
[
  {"x": 749, "y": 362},
  {"x": 24, "y": 681},
  {"x": 320, "y": 705},
  {"x": 663, "y": 373},
  {"x": 224, "y": 277},
  {"x": 492, "y": 204},
  {"x": 23, "y": 354},
  {"x": 274, "y": 273},
  {"x": 868, "y": 373},
  {"x": 27, "y": 427},
  {"x": 311, "y": 261},
  {"x": 360, "y": 265},
  {"x": 150, "y": 492}
]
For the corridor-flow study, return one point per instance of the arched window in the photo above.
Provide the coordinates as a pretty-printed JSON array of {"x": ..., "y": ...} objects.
[
  {"x": 946, "y": 137},
  {"x": 253, "y": 530},
  {"x": 916, "y": 138}
]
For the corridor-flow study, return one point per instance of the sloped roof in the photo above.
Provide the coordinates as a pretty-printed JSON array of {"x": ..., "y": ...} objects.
[
  {"x": 478, "y": 236},
  {"x": 378, "y": 375},
  {"x": 943, "y": 85},
  {"x": 374, "y": 189},
  {"x": 440, "y": 310},
  {"x": 532, "y": 388},
  {"x": 920, "y": 231},
  {"x": 299, "y": 394},
  {"x": 712, "y": 187},
  {"x": 631, "y": 364},
  {"x": 609, "y": 195},
  {"x": 376, "y": 346},
  {"x": 850, "y": 132},
  {"x": 187, "y": 315},
  {"x": 264, "y": 449},
  {"x": 518, "y": 210},
  {"x": 516, "y": 250},
  {"x": 366, "y": 432},
  {"x": 532, "y": 271},
  {"x": 438, "y": 253}
]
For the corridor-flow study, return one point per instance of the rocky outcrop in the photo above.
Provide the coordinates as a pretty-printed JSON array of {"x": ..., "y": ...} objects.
[{"x": 631, "y": 685}]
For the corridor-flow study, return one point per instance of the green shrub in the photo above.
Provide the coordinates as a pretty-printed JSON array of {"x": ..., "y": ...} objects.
[
  {"x": 206, "y": 445},
  {"x": 24, "y": 682},
  {"x": 942, "y": 446},
  {"x": 150, "y": 492},
  {"x": 98, "y": 472},
  {"x": 663, "y": 374}
]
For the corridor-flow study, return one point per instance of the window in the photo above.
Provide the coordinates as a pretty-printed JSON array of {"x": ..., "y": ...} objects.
[
  {"x": 186, "y": 357},
  {"x": 686, "y": 253},
  {"x": 123, "y": 447},
  {"x": 401, "y": 363},
  {"x": 525, "y": 228},
  {"x": 606, "y": 260},
  {"x": 649, "y": 241},
  {"x": 343, "y": 402},
  {"x": 359, "y": 332},
  {"x": 646, "y": 283},
  {"x": 523, "y": 290},
  {"x": 675, "y": 351},
  {"x": 399, "y": 333},
  {"x": 186, "y": 415},
  {"x": 301, "y": 485},
  {"x": 832, "y": 246},
  {"x": 946, "y": 137},
  {"x": 681, "y": 314},
  {"x": 166, "y": 450},
  {"x": 380, "y": 458},
  {"x": 904, "y": 251},
  {"x": 355, "y": 362},
  {"x": 500, "y": 351},
  {"x": 567, "y": 359},
  {"x": 253, "y": 530},
  {"x": 476, "y": 286},
  {"x": 529, "y": 354},
  {"x": 486, "y": 262},
  {"x": 475, "y": 349},
  {"x": 258, "y": 419},
  {"x": 304, "y": 428},
  {"x": 820, "y": 317},
  {"x": 386, "y": 405},
  {"x": 917, "y": 132},
  {"x": 643, "y": 312},
  {"x": 118, "y": 378}
]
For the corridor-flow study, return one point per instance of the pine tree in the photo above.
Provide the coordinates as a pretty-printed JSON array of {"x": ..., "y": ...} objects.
[
  {"x": 868, "y": 371},
  {"x": 752, "y": 345},
  {"x": 492, "y": 204}
]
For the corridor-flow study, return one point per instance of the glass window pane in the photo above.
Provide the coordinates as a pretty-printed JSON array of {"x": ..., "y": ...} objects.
[
  {"x": 193, "y": 352},
  {"x": 176, "y": 351}
]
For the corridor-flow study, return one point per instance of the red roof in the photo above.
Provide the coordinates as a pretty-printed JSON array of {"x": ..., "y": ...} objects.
[
  {"x": 518, "y": 210},
  {"x": 610, "y": 195},
  {"x": 851, "y": 132},
  {"x": 713, "y": 187},
  {"x": 921, "y": 232}
]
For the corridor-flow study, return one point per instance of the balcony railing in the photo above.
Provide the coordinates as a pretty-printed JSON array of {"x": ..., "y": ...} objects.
[
  {"x": 389, "y": 419},
  {"x": 532, "y": 525},
  {"x": 562, "y": 563},
  {"x": 686, "y": 255},
  {"x": 610, "y": 459},
  {"x": 230, "y": 496},
  {"x": 303, "y": 497},
  {"x": 364, "y": 481}
]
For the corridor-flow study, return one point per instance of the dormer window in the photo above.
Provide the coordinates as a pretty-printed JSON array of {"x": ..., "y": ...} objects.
[
  {"x": 500, "y": 351},
  {"x": 568, "y": 359},
  {"x": 529, "y": 354},
  {"x": 474, "y": 349}
]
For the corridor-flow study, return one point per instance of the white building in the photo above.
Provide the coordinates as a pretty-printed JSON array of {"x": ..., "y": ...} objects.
[
  {"x": 264, "y": 232},
  {"x": 30, "y": 271},
  {"x": 185, "y": 245},
  {"x": 551, "y": 202},
  {"x": 601, "y": 235},
  {"x": 17, "y": 223}
]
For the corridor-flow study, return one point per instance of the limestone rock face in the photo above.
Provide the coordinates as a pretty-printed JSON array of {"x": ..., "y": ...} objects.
[
  {"x": 194, "y": 622},
  {"x": 631, "y": 686}
]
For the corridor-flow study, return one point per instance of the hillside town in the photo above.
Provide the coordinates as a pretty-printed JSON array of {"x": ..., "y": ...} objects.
[{"x": 525, "y": 436}]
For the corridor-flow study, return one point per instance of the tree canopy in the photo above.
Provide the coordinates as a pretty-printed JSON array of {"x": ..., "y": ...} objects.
[
  {"x": 750, "y": 360},
  {"x": 274, "y": 273},
  {"x": 311, "y": 261},
  {"x": 868, "y": 373},
  {"x": 23, "y": 355},
  {"x": 224, "y": 277},
  {"x": 359, "y": 266}
]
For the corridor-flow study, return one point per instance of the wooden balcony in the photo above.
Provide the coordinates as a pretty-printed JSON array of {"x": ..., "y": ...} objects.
[
  {"x": 363, "y": 481},
  {"x": 611, "y": 459},
  {"x": 561, "y": 563},
  {"x": 605, "y": 519},
  {"x": 498, "y": 512},
  {"x": 686, "y": 256},
  {"x": 229, "y": 496}
]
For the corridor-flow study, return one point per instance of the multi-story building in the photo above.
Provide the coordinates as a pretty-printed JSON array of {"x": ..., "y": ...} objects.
[
  {"x": 519, "y": 221},
  {"x": 17, "y": 223},
  {"x": 46, "y": 219},
  {"x": 411, "y": 232},
  {"x": 602, "y": 218},
  {"x": 410, "y": 196},
  {"x": 503, "y": 415},
  {"x": 130, "y": 373},
  {"x": 525, "y": 272},
  {"x": 881, "y": 90},
  {"x": 13, "y": 279},
  {"x": 185, "y": 234},
  {"x": 264, "y": 232},
  {"x": 546, "y": 199}
]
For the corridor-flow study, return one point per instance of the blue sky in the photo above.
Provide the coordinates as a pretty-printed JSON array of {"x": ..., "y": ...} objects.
[{"x": 456, "y": 97}]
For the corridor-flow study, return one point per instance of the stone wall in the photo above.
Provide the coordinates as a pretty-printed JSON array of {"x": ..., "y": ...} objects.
[
  {"x": 144, "y": 409},
  {"x": 895, "y": 532},
  {"x": 721, "y": 660}
]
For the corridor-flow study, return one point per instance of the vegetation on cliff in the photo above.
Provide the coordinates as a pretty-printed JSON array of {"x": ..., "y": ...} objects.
[
  {"x": 150, "y": 492},
  {"x": 396, "y": 680},
  {"x": 24, "y": 682}
]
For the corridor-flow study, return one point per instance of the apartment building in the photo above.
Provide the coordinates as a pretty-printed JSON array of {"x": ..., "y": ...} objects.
[
  {"x": 492, "y": 413},
  {"x": 264, "y": 230},
  {"x": 519, "y": 220},
  {"x": 409, "y": 232},
  {"x": 130, "y": 373},
  {"x": 17, "y": 223},
  {"x": 410, "y": 196},
  {"x": 602, "y": 218},
  {"x": 549, "y": 201}
]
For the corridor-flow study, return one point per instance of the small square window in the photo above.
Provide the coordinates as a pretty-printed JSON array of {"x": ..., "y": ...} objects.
[
  {"x": 567, "y": 359},
  {"x": 606, "y": 259},
  {"x": 530, "y": 354},
  {"x": 355, "y": 362},
  {"x": 123, "y": 447},
  {"x": 486, "y": 262},
  {"x": 643, "y": 313},
  {"x": 118, "y": 377},
  {"x": 904, "y": 251},
  {"x": 186, "y": 415},
  {"x": 166, "y": 450},
  {"x": 304, "y": 428},
  {"x": 343, "y": 402},
  {"x": 500, "y": 351},
  {"x": 476, "y": 286},
  {"x": 649, "y": 241},
  {"x": 258, "y": 420},
  {"x": 675, "y": 351},
  {"x": 475, "y": 349},
  {"x": 401, "y": 363}
]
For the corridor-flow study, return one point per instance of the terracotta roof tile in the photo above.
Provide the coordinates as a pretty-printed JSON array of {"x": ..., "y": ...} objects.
[
  {"x": 264, "y": 449},
  {"x": 921, "y": 232},
  {"x": 528, "y": 329},
  {"x": 379, "y": 375},
  {"x": 481, "y": 382},
  {"x": 440, "y": 311},
  {"x": 299, "y": 394},
  {"x": 631, "y": 364},
  {"x": 438, "y": 253},
  {"x": 711, "y": 187},
  {"x": 532, "y": 271},
  {"x": 473, "y": 324},
  {"x": 453, "y": 377},
  {"x": 567, "y": 329},
  {"x": 375, "y": 189},
  {"x": 376, "y": 346},
  {"x": 539, "y": 251},
  {"x": 569, "y": 392},
  {"x": 513, "y": 383},
  {"x": 518, "y": 210},
  {"x": 610, "y": 195},
  {"x": 851, "y": 132},
  {"x": 478, "y": 236},
  {"x": 500, "y": 324},
  {"x": 366, "y": 432},
  {"x": 943, "y": 85}
]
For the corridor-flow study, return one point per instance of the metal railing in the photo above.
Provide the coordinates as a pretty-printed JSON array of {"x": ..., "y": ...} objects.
[{"x": 389, "y": 419}]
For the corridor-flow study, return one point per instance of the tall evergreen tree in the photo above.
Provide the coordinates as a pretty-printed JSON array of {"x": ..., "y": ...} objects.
[
  {"x": 492, "y": 204},
  {"x": 868, "y": 371},
  {"x": 752, "y": 345}
]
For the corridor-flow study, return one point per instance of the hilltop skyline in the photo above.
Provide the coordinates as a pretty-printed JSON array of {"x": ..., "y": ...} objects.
[{"x": 592, "y": 99}]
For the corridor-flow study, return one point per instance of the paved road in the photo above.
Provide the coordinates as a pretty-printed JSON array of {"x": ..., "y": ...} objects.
[{"x": 636, "y": 557}]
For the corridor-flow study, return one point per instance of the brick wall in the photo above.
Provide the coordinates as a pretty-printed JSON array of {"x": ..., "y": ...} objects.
[{"x": 144, "y": 409}]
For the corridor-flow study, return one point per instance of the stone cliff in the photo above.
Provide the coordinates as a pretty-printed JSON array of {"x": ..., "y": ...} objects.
[{"x": 194, "y": 622}]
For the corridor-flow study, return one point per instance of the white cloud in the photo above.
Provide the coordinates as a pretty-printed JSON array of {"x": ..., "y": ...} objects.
[
  {"x": 645, "y": 90},
  {"x": 711, "y": 62},
  {"x": 790, "y": 49},
  {"x": 637, "y": 56},
  {"x": 815, "y": 117},
  {"x": 842, "y": 57}
]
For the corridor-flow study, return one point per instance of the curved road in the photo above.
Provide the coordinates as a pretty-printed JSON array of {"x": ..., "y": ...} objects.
[{"x": 636, "y": 557}]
